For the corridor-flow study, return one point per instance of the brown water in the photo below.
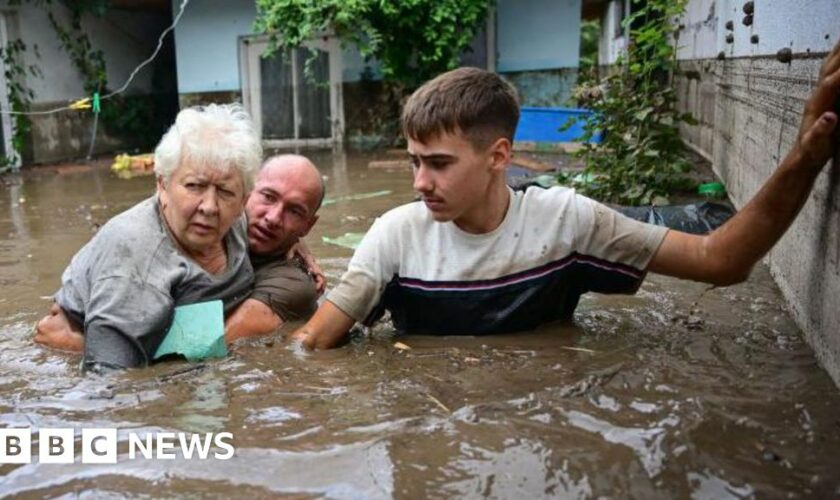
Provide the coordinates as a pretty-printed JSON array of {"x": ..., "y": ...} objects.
[{"x": 675, "y": 392}]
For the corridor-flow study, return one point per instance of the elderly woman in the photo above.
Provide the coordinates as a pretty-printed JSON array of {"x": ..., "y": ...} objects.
[{"x": 185, "y": 244}]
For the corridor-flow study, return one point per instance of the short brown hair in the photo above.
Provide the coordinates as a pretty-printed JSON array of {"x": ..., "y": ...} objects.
[{"x": 477, "y": 103}]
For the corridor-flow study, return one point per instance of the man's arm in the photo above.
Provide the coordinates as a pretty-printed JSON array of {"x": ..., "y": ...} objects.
[
  {"x": 282, "y": 292},
  {"x": 251, "y": 319},
  {"x": 727, "y": 255},
  {"x": 326, "y": 329}
]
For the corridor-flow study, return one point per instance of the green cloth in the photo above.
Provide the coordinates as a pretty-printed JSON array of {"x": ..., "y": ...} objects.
[{"x": 197, "y": 332}]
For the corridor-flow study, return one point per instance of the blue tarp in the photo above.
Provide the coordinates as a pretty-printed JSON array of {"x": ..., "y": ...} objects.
[{"x": 544, "y": 124}]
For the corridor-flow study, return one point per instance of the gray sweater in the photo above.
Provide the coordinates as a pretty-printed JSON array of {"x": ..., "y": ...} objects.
[{"x": 125, "y": 283}]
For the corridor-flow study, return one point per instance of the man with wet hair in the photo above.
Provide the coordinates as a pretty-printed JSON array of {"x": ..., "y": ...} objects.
[
  {"x": 474, "y": 257},
  {"x": 281, "y": 210}
]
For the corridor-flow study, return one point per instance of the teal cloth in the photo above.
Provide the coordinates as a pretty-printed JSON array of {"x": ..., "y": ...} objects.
[{"x": 197, "y": 332}]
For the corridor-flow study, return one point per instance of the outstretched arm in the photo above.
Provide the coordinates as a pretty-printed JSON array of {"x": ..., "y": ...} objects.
[
  {"x": 727, "y": 255},
  {"x": 326, "y": 329}
]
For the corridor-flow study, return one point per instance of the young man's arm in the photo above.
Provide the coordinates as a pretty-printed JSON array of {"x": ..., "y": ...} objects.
[
  {"x": 326, "y": 329},
  {"x": 727, "y": 255},
  {"x": 359, "y": 290}
]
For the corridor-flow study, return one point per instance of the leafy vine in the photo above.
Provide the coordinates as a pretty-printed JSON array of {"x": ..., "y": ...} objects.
[{"x": 641, "y": 159}]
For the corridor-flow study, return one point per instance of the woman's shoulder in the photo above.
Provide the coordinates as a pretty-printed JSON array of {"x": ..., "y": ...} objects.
[
  {"x": 141, "y": 221},
  {"x": 128, "y": 239}
]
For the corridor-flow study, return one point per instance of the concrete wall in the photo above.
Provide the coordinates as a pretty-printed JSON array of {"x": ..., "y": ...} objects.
[
  {"x": 537, "y": 34},
  {"x": 206, "y": 43},
  {"x": 538, "y": 48},
  {"x": 547, "y": 88},
  {"x": 749, "y": 105},
  {"x": 125, "y": 38}
]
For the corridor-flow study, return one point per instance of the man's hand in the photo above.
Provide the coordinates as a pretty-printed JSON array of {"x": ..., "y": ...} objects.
[
  {"x": 301, "y": 250},
  {"x": 817, "y": 140},
  {"x": 57, "y": 331}
]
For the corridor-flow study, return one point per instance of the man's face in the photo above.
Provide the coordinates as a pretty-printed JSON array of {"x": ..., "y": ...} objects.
[
  {"x": 200, "y": 204},
  {"x": 280, "y": 209},
  {"x": 453, "y": 177}
]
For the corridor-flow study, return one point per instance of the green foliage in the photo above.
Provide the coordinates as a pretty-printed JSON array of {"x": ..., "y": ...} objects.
[
  {"x": 124, "y": 116},
  {"x": 89, "y": 62},
  {"x": 590, "y": 33},
  {"x": 413, "y": 40},
  {"x": 20, "y": 96},
  {"x": 641, "y": 159}
]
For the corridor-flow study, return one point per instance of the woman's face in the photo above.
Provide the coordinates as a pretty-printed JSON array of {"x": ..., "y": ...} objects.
[{"x": 200, "y": 204}]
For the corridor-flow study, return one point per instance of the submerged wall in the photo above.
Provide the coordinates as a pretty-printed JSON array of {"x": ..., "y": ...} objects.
[{"x": 749, "y": 105}]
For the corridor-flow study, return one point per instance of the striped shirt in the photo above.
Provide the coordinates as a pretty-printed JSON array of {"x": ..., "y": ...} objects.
[{"x": 552, "y": 246}]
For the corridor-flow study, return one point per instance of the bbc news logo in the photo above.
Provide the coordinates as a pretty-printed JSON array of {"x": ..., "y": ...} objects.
[{"x": 100, "y": 446}]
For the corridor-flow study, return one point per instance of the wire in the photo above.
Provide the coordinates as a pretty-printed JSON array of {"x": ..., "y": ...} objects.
[
  {"x": 152, "y": 57},
  {"x": 127, "y": 82}
]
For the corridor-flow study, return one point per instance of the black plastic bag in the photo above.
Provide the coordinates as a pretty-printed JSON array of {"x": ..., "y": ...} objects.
[{"x": 696, "y": 218}]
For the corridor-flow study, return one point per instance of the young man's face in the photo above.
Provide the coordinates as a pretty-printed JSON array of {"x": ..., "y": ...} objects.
[{"x": 454, "y": 178}]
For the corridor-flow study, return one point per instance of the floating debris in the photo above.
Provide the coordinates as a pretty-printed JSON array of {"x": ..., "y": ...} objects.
[
  {"x": 347, "y": 240},
  {"x": 354, "y": 197},
  {"x": 578, "y": 349},
  {"x": 389, "y": 164},
  {"x": 127, "y": 166},
  {"x": 437, "y": 402}
]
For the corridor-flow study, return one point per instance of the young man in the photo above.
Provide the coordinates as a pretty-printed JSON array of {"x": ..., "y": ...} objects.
[
  {"x": 476, "y": 258},
  {"x": 281, "y": 210}
]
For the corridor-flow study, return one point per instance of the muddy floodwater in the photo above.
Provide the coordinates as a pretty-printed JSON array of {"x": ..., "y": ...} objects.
[{"x": 679, "y": 391}]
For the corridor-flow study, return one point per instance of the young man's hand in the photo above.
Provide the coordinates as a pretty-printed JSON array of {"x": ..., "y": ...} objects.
[
  {"x": 817, "y": 140},
  {"x": 326, "y": 329}
]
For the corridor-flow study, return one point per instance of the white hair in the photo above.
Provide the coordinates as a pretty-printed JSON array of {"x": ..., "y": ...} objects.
[{"x": 220, "y": 136}]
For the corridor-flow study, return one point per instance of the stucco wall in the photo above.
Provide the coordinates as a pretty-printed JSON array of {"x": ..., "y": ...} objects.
[
  {"x": 749, "y": 105},
  {"x": 547, "y": 88},
  {"x": 206, "y": 43},
  {"x": 538, "y": 48},
  {"x": 125, "y": 38},
  {"x": 537, "y": 34}
]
